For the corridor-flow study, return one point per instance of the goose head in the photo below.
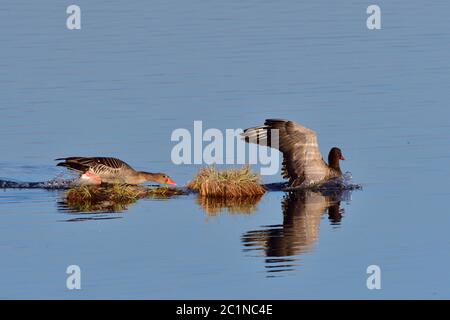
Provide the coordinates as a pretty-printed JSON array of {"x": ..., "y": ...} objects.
[
  {"x": 334, "y": 156},
  {"x": 160, "y": 178}
]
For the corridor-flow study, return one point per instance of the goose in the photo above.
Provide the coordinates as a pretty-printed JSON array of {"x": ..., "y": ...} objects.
[
  {"x": 303, "y": 164},
  {"x": 97, "y": 170}
]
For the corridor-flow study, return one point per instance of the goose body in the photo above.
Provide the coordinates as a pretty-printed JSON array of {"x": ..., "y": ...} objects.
[
  {"x": 97, "y": 170},
  {"x": 303, "y": 164}
]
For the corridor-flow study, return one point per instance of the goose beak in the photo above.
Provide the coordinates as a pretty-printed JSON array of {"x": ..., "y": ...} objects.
[
  {"x": 171, "y": 182},
  {"x": 341, "y": 157}
]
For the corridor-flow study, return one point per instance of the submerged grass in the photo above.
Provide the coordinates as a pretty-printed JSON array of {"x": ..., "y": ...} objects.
[
  {"x": 113, "y": 198},
  {"x": 228, "y": 183}
]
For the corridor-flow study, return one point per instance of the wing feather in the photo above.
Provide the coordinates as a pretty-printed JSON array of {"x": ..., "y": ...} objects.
[
  {"x": 302, "y": 160},
  {"x": 98, "y": 165}
]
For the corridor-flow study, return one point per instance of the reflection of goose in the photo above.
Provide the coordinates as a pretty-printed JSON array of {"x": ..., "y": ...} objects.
[
  {"x": 302, "y": 213},
  {"x": 303, "y": 164},
  {"x": 110, "y": 170}
]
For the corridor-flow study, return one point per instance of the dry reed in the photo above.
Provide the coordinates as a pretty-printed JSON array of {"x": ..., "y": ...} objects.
[{"x": 228, "y": 183}]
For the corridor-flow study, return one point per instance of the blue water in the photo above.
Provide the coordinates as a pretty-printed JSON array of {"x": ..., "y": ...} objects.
[{"x": 137, "y": 71}]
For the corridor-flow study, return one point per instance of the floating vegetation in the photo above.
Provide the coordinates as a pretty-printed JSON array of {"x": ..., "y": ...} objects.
[
  {"x": 228, "y": 183},
  {"x": 113, "y": 198},
  {"x": 239, "y": 205}
]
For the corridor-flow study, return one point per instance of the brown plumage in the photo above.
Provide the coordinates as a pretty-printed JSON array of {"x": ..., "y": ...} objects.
[
  {"x": 96, "y": 170},
  {"x": 303, "y": 164}
]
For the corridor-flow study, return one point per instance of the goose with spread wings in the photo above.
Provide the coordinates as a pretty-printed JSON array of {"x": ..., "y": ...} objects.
[
  {"x": 303, "y": 164},
  {"x": 97, "y": 170}
]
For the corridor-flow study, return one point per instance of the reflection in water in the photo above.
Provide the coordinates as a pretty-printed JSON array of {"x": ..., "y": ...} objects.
[
  {"x": 111, "y": 198},
  {"x": 215, "y": 205},
  {"x": 90, "y": 207},
  {"x": 91, "y": 218},
  {"x": 281, "y": 244}
]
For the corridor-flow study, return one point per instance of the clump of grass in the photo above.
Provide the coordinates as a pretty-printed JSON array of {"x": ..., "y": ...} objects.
[
  {"x": 113, "y": 198},
  {"x": 116, "y": 193},
  {"x": 228, "y": 183}
]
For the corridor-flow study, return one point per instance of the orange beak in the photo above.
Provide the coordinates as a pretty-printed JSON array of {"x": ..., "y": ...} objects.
[
  {"x": 342, "y": 157},
  {"x": 171, "y": 182}
]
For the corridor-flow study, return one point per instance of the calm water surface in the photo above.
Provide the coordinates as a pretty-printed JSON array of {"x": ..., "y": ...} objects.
[{"x": 136, "y": 72}]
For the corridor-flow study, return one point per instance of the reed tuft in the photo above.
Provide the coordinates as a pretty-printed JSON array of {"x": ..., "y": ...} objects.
[{"x": 228, "y": 183}]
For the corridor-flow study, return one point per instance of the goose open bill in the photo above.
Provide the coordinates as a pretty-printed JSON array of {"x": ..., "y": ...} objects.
[
  {"x": 97, "y": 170},
  {"x": 303, "y": 163}
]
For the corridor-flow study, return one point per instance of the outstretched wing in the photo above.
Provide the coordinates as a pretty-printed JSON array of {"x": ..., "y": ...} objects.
[
  {"x": 98, "y": 165},
  {"x": 302, "y": 159}
]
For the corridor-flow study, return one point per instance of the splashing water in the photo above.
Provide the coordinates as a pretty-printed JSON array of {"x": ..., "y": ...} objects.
[
  {"x": 340, "y": 183},
  {"x": 56, "y": 183},
  {"x": 336, "y": 184}
]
